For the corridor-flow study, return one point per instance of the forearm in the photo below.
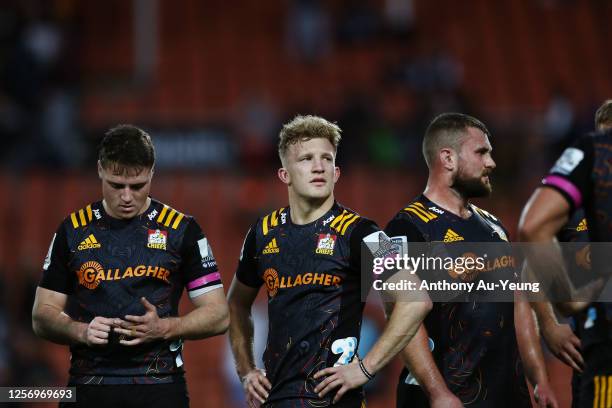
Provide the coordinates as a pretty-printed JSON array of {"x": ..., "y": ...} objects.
[
  {"x": 200, "y": 323},
  {"x": 241, "y": 339},
  {"x": 529, "y": 344},
  {"x": 54, "y": 325},
  {"x": 545, "y": 315},
  {"x": 402, "y": 325},
  {"x": 418, "y": 359}
]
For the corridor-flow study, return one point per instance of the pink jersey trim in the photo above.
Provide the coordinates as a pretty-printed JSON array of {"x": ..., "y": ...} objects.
[
  {"x": 203, "y": 280},
  {"x": 566, "y": 186}
]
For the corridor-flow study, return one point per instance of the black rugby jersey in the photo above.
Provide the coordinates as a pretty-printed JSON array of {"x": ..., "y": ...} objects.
[
  {"x": 312, "y": 276},
  {"x": 592, "y": 324},
  {"x": 583, "y": 175},
  {"x": 473, "y": 343},
  {"x": 105, "y": 265}
]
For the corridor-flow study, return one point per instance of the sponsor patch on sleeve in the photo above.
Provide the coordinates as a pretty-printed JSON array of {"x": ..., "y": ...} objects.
[{"x": 568, "y": 161}]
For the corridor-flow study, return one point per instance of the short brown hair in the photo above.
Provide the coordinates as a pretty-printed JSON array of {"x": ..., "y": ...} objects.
[
  {"x": 603, "y": 116},
  {"x": 126, "y": 146},
  {"x": 448, "y": 130},
  {"x": 305, "y": 127}
]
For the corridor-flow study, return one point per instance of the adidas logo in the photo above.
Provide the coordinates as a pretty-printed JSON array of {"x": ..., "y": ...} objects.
[
  {"x": 452, "y": 236},
  {"x": 271, "y": 248},
  {"x": 582, "y": 226},
  {"x": 89, "y": 243}
]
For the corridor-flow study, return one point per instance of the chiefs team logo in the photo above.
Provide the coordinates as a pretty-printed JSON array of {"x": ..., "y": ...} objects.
[
  {"x": 90, "y": 274},
  {"x": 326, "y": 244},
  {"x": 157, "y": 239},
  {"x": 270, "y": 277}
]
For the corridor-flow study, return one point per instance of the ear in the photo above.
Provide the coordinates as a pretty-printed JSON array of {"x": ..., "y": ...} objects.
[
  {"x": 448, "y": 158},
  {"x": 99, "y": 169},
  {"x": 336, "y": 174},
  {"x": 283, "y": 175}
]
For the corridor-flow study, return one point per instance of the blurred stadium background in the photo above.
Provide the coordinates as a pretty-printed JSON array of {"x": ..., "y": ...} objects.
[{"x": 213, "y": 81}]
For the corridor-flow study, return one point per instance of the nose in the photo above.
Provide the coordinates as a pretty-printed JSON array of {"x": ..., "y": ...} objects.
[
  {"x": 126, "y": 195},
  {"x": 317, "y": 165},
  {"x": 490, "y": 163}
]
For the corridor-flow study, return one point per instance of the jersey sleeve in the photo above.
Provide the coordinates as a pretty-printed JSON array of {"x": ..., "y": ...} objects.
[
  {"x": 56, "y": 273},
  {"x": 199, "y": 267},
  {"x": 402, "y": 227},
  {"x": 362, "y": 230},
  {"x": 571, "y": 174},
  {"x": 246, "y": 272}
]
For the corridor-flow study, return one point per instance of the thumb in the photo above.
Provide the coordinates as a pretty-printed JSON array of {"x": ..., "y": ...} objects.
[{"x": 148, "y": 306}]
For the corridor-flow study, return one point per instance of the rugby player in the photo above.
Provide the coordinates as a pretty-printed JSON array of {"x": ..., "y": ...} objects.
[
  {"x": 112, "y": 281},
  {"x": 307, "y": 256},
  {"x": 566, "y": 206},
  {"x": 467, "y": 352}
]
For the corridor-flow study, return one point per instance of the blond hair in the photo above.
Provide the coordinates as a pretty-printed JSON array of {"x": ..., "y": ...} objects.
[
  {"x": 603, "y": 116},
  {"x": 305, "y": 127}
]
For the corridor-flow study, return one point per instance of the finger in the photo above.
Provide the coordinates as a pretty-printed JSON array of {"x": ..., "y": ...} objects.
[
  {"x": 99, "y": 334},
  {"x": 104, "y": 320},
  {"x": 147, "y": 305},
  {"x": 340, "y": 393},
  {"x": 324, "y": 372},
  {"x": 135, "y": 319},
  {"x": 324, "y": 383},
  {"x": 98, "y": 325},
  {"x": 122, "y": 323},
  {"x": 575, "y": 341},
  {"x": 575, "y": 355},
  {"x": 130, "y": 332},
  {"x": 132, "y": 342},
  {"x": 266, "y": 382},
  {"x": 260, "y": 390},
  {"x": 330, "y": 387},
  {"x": 568, "y": 360},
  {"x": 254, "y": 393},
  {"x": 96, "y": 340}
]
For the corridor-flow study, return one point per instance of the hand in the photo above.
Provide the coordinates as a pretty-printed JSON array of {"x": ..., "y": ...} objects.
[
  {"x": 98, "y": 330},
  {"x": 564, "y": 344},
  {"x": 256, "y": 386},
  {"x": 544, "y": 396},
  {"x": 446, "y": 400},
  {"x": 345, "y": 376},
  {"x": 142, "y": 329}
]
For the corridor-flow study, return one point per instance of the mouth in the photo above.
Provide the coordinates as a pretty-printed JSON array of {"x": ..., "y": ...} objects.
[{"x": 319, "y": 181}]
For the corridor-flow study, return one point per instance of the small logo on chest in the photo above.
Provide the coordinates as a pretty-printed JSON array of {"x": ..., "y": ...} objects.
[
  {"x": 325, "y": 244},
  {"x": 157, "y": 239}
]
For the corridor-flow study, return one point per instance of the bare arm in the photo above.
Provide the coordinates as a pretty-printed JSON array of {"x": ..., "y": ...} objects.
[
  {"x": 543, "y": 216},
  {"x": 254, "y": 381},
  {"x": 50, "y": 322},
  {"x": 419, "y": 360},
  {"x": 530, "y": 350},
  {"x": 241, "y": 298},
  {"x": 209, "y": 318},
  {"x": 403, "y": 323}
]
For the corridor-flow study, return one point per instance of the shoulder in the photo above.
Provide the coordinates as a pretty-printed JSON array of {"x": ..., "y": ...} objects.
[
  {"x": 84, "y": 216},
  {"x": 269, "y": 222},
  {"x": 166, "y": 216},
  {"x": 419, "y": 212},
  {"x": 493, "y": 221},
  {"x": 346, "y": 220}
]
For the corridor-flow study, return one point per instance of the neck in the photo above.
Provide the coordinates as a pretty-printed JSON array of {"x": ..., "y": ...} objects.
[
  {"x": 304, "y": 211},
  {"x": 440, "y": 192}
]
